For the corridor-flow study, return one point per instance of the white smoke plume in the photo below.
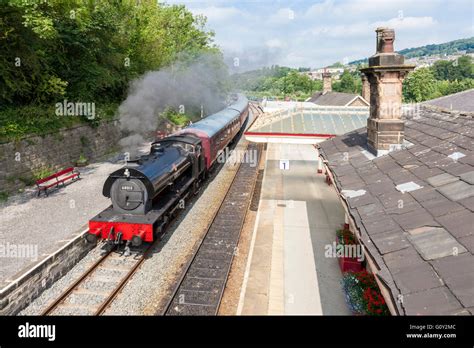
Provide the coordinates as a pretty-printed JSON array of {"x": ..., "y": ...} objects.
[{"x": 186, "y": 86}]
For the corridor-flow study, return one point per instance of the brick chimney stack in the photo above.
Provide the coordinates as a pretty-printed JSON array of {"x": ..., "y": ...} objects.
[
  {"x": 327, "y": 82},
  {"x": 365, "y": 88},
  {"x": 386, "y": 72}
]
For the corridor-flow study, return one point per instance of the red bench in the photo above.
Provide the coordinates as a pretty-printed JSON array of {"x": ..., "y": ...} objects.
[{"x": 56, "y": 179}]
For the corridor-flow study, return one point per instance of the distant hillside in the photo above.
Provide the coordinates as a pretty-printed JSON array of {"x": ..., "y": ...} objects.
[
  {"x": 252, "y": 79},
  {"x": 428, "y": 50}
]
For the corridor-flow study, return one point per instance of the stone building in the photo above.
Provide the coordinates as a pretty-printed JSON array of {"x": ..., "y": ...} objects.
[
  {"x": 329, "y": 98},
  {"x": 406, "y": 183}
]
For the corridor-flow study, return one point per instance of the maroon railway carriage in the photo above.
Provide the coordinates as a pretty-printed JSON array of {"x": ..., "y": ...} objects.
[{"x": 218, "y": 130}]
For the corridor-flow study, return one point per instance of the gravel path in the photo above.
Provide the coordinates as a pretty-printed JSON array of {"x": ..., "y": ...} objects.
[
  {"x": 147, "y": 290},
  {"x": 46, "y": 223}
]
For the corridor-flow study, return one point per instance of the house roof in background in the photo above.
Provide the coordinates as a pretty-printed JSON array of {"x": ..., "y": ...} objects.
[
  {"x": 458, "y": 102},
  {"x": 416, "y": 214},
  {"x": 334, "y": 98}
]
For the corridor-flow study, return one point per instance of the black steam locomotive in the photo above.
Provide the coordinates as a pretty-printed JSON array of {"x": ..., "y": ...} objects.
[{"x": 146, "y": 193}]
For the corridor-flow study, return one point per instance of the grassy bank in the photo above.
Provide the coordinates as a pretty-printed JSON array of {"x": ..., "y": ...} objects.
[{"x": 18, "y": 122}]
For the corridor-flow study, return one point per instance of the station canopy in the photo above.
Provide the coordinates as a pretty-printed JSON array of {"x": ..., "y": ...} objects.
[{"x": 307, "y": 123}]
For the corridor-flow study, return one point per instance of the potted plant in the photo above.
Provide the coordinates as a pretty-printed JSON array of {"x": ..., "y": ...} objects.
[
  {"x": 82, "y": 161},
  {"x": 363, "y": 294},
  {"x": 346, "y": 244}
]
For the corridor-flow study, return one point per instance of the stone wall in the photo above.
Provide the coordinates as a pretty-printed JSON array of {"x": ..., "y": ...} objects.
[
  {"x": 28, "y": 286},
  {"x": 22, "y": 161}
]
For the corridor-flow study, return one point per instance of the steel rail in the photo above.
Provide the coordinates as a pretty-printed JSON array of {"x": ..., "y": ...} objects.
[{"x": 197, "y": 248}]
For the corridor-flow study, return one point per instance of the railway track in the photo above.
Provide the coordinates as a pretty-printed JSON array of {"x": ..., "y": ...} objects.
[
  {"x": 201, "y": 285},
  {"x": 255, "y": 110},
  {"x": 99, "y": 285}
]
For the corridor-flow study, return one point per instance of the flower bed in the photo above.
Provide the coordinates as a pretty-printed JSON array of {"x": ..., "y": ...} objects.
[
  {"x": 363, "y": 294},
  {"x": 346, "y": 239}
]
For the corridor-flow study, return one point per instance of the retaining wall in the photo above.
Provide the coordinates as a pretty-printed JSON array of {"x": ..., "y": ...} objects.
[
  {"x": 22, "y": 161},
  {"x": 26, "y": 287}
]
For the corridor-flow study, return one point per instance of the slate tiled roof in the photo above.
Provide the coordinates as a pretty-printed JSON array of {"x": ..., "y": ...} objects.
[
  {"x": 422, "y": 240},
  {"x": 332, "y": 98},
  {"x": 462, "y": 101}
]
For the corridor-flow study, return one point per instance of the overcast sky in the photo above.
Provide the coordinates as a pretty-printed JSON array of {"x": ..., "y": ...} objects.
[{"x": 318, "y": 33}]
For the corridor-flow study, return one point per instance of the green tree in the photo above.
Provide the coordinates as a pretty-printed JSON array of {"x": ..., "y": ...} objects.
[
  {"x": 464, "y": 68},
  {"x": 442, "y": 69},
  {"x": 419, "y": 86},
  {"x": 346, "y": 83},
  {"x": 89, "y": 51},
  {"x": 85, "y": 49},
  {"x": 460, "y": 69},
  {"x": 295, "y": 81}
]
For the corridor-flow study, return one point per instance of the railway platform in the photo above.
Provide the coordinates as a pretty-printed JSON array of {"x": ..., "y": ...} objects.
[{"x": 287, "y": 271}]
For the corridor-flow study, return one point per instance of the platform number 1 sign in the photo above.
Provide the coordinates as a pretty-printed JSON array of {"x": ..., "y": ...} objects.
[{"x": 284, "y": 164}]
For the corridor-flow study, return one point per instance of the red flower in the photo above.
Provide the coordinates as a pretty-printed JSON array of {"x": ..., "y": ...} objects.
[
  {"x": 346, "y": 237},
  {"x": 375, "y": 301}
]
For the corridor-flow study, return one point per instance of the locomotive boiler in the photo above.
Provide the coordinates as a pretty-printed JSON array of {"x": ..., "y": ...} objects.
[{"x": 133, "y": 188}]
